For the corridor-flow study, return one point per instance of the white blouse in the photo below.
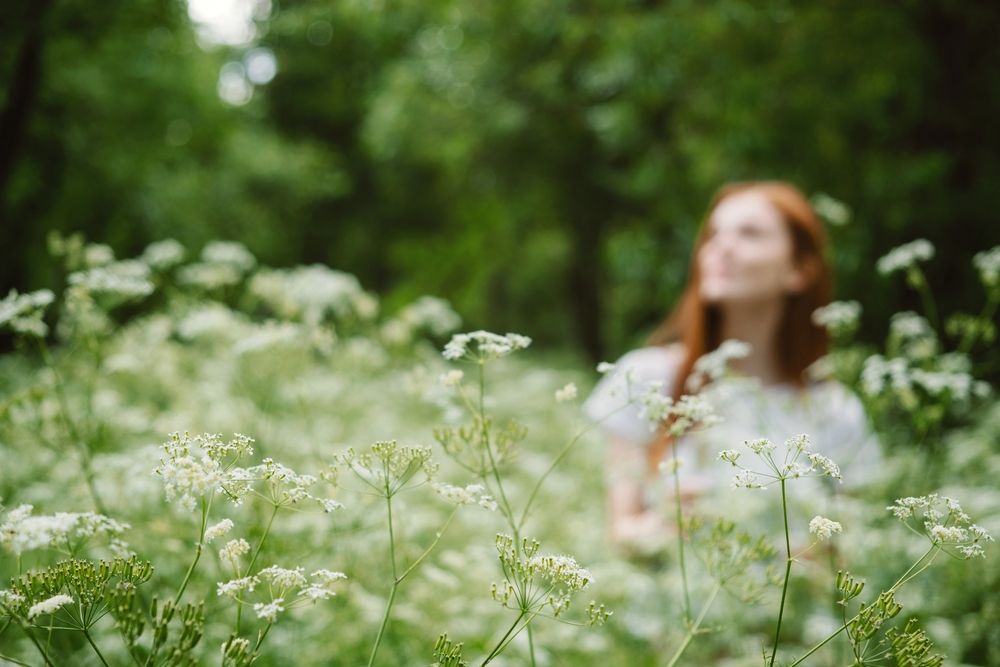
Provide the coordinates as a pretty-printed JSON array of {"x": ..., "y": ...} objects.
[{"x": 827, "y": 411}]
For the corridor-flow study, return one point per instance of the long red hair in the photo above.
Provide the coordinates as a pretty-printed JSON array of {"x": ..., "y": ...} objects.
[{"x": 799, "y": 342}]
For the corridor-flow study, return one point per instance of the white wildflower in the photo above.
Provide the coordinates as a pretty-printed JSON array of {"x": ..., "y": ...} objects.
[
  {"x": 605, "y": 367},
  {"x": 746, "y": 480},
  {"x": 987, "y": 263},
  {"x": 163, "y": 255},
  {"x": 941, "y": 533},
  {"x": 760, "y": 446},
  {"x": 218, "y": 530},
  {"x": 97, "y": 254},
  {"x": 22, "y": 531},
  {"x": 905, "y": 256},
  {"x": 713, "y": 366},
  {"x": 487, "y": 345},
  {"x": 826, "y": 466},
  {"x": 838, "y": 317},
  {"x": 22, "y": 313},
  {"x": 310, "y": 294},
  {"x": 471, "y": 494},
  {"x": 269, "y": 611},
  {"x": 566, "y": 393},
  {"x": 824, "y": 528},
  {"x": 730, "y": 456},
  {"x": 49, "y": 606},
  {"x": 233, "y": 549},
  {"x": 832, "y": 210},
  {"x": 234, "y": 587},
  {"x": 115, "y": 283},
  {"x": 282, "y": 578}
]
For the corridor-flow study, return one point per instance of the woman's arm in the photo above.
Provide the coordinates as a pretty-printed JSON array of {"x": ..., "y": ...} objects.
[{"x": 632, "y": 524}]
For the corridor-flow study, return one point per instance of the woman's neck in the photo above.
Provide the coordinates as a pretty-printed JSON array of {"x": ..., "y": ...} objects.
[{"x": 757, "y": 324}]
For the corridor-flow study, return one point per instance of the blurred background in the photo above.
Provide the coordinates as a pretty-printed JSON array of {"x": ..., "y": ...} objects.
[{"x": 542, "y": 165}]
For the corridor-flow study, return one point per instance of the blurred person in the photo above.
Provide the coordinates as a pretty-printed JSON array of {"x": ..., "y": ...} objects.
[{"x": 758, "y": 273}]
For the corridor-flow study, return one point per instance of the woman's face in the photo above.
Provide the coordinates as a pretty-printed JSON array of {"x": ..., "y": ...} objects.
[{"x": 747, "y": 255}]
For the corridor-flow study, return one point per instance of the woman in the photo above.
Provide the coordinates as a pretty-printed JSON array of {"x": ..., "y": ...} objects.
[{"x": 757, "y": 275}]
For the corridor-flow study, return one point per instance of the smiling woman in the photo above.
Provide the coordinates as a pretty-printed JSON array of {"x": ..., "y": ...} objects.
[{"x": 758, "y": 274}]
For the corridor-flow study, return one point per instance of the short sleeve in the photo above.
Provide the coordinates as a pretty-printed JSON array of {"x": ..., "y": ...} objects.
[{"x": 613, "y": 403}]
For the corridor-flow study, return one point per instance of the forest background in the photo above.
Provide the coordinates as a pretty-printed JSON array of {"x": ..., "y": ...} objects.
[{"x": 541, "y": 165}]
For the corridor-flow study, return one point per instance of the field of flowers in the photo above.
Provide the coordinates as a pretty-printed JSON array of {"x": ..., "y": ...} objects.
[{"x": 207, "y": 461}]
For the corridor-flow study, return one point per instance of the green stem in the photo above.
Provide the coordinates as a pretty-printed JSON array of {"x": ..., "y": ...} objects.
[
  {"x": 395, "y": 577},
  {"x": 969, "y": 339},
  {"x": 253, "y": 559},
  {"x": 788, "y": 571},
  {"x": 197, "y": 553},
  {"x": 430, "y": 548},
  {"x": 485, "y": 435},
  {"x": 502, "y": 643},
  {"x": 679, "y": 518},
  {"x": 907, "y": 576},
  {"x": 919, "y": 280},
  {"x": 693, "y": 628},
  {"x": 45, "y": 654},
  {"x": 94, "y": 646}
]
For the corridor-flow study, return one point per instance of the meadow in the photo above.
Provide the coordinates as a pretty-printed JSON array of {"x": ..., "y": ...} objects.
[{"x": 209, "y": 461}]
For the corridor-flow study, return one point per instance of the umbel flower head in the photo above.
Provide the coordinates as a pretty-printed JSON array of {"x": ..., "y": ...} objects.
[
  {"x": 22, "y": 313},
  {"x": 23, "y": 531},
  {"x": 535, "y": 581},
  {"x": 944, "y": 523},
  {"x": 193, "y": 466},
  {"x": 905, "y": 256},
  {"x": 483, "y": 345},
  {"x": 387, "y": 467},
  {"x": 679, "y": 417},
  {"x": 796, "y": 461}
]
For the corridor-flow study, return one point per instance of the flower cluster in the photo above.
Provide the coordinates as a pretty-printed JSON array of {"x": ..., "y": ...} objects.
[
  {"x": 163, "y": 255},
  {"x": 311, "y": 294},
  {"x": 468, "y": 495},
  {"x": 114, "y": 284},
  {"x": 427, "y": 314},
  {"x": 824, "y": 528},
  {"x": 832, "y": 210},
  {"x": 281, "y": 584},
  {"x": 49, "y": 605},
  {"x": 218, "y": 530},
  {"x": 840, "y": 318},
  {"x": 21, "y": 531},
  {"x": 223, "y": 263},
  {"x": 22, "y": 313},
  {"x": 566, "y": 393},
  {"x": 535, "y": 581},
  {"x": 678, "y": 417},
  {"x": 193, "y": 467},
  {"x": 487, "y": 345},
  {"x": 944, "y": 522},
  {"x": 713, "y": 366},
  {"x": 880, "y": 375},
  {"x": 987, "y": 264},
  {"x": 797, "y": 461},
  {"x": 387, "y": 467},
  {"x": 905, "y": 256}
]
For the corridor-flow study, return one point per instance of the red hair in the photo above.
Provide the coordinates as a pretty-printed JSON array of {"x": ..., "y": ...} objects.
[{"x": 799, "y": 342}]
